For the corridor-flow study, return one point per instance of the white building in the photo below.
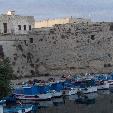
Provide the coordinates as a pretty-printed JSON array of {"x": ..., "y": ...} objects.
[{"x": 10, "y": 23}]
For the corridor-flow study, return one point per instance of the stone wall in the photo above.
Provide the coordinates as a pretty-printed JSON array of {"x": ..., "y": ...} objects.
[
  {"x": 62, "y": 49},
  {"x": 52, "y": 22}
]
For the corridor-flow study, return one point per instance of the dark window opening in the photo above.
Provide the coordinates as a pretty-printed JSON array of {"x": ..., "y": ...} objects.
[
  {"x": 24, "y": 27},
  {"x": 29, "y": 27},
  {"x": 31, "y": 40},
  {"x": 5, "y": 27},
  {"x": 19, "y": 27},
  {"x": 107, "y": 65},
  {"x": 93, "y": 37},
  {"x": 111, "y": 27},
  {"x": 32, "y": 72}
]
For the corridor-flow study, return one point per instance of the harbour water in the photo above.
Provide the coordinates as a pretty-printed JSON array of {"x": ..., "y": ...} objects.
[{"x": 103, "y": 104}]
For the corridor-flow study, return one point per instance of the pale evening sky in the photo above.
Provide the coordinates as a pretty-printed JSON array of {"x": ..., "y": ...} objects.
[{"x": 97, "y": 10}]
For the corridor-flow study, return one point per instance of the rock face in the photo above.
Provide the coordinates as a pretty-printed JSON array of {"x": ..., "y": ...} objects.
[{"x": 62, "y": 49}]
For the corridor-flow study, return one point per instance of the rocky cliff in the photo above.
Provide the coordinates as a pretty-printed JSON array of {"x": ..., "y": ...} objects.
[{"x": 62, "y": 49}]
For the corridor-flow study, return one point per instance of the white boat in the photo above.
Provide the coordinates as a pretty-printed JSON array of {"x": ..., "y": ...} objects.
[
  {"x": 35, "y": 97},
  {"x": 70, "y": 91},
  {"x": 110, "y": 82},
  {"x": 56, "y": 93},
  {"x": 90, "y": 89},
  {"x": 33, "y": 93},
  {"x": 103, "y": 85}
]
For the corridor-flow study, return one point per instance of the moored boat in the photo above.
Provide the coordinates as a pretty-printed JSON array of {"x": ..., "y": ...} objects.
[
  {"x": 102, "y": 85},
  {"x": 88, "y": 86},
  {"x": 40, "y": 92},
  {"x": 90, "y": 89},
  {"x": 57, "y": 89}
]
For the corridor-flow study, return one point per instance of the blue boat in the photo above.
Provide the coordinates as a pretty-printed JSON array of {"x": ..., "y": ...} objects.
[
  {"x": 57, "y": 89},
  {"x": 34, "y": 92},
  {"x": 70, "y": 88},
  {"x": 88, "y": 86}
]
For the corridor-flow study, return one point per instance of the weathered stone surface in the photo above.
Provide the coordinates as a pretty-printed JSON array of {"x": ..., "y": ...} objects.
[{"x": 62, "y": 49}]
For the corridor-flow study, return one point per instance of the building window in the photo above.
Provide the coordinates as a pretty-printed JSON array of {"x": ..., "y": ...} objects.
[
  {"x": 93, "y": 37},
  {"x": 19, "y": 27},
  {"x": 31, "y": 40},
  {"x": 24, "y": 27},
  {"x": 29, "y": 27}
]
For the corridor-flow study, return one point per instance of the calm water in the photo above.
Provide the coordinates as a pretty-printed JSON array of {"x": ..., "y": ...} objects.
[{"x": 103, "y": 104}]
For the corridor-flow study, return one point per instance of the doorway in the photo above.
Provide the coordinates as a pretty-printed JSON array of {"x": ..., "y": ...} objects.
[{"x": 5, "y": 27}]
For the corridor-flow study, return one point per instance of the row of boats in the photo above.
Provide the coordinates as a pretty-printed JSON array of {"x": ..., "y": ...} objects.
[
  {"x": 43, "y": 90},
  {"x": 38, "y": 90}
]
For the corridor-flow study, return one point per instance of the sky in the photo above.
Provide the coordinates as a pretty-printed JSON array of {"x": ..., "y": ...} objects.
[{"x": 97, "y": 10}]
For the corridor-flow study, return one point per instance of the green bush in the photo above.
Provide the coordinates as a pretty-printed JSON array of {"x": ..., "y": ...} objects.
[{"x": 6, "y": 75}]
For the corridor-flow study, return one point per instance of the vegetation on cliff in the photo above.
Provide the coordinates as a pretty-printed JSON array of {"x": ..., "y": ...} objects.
[{"x": 5, "y": 77}]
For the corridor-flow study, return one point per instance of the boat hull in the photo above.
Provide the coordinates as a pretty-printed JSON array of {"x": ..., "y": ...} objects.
[
  {"x": 89, "y": 89},
  {"x": 71, "y": 91},
  {"x": 57, "y": 94},
  {"x": 103, "y": 87},
  {"x": 34, "y": 97}
]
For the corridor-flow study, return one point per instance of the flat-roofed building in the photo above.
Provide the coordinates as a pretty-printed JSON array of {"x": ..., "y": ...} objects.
[{"x": 10, "y": 23}]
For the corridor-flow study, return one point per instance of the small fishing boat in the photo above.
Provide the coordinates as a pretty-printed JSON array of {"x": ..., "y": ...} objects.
[
  {"x": 34, "y": 92},
  {"x": 57, "y": 89},
  {"x": 102, "y": 81},
  {"x": 69, "y": 88},
  {"x": 70, "y": 91},
  {"x": 102, "y": 85},
  {"x": 88, "y": 86},
  {"x": 90, "y": 89}
]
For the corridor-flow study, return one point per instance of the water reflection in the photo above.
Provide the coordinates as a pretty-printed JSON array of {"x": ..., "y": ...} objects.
[
  {"x": 103, "y": 92},
  {"x": 102, "y": 102},
  {"x": 58, "y": 101}
]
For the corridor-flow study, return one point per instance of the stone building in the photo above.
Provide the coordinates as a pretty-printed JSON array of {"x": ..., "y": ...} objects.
[
  {"x": 11, "y": 23},
  {"x": 52, "y": 22}
]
